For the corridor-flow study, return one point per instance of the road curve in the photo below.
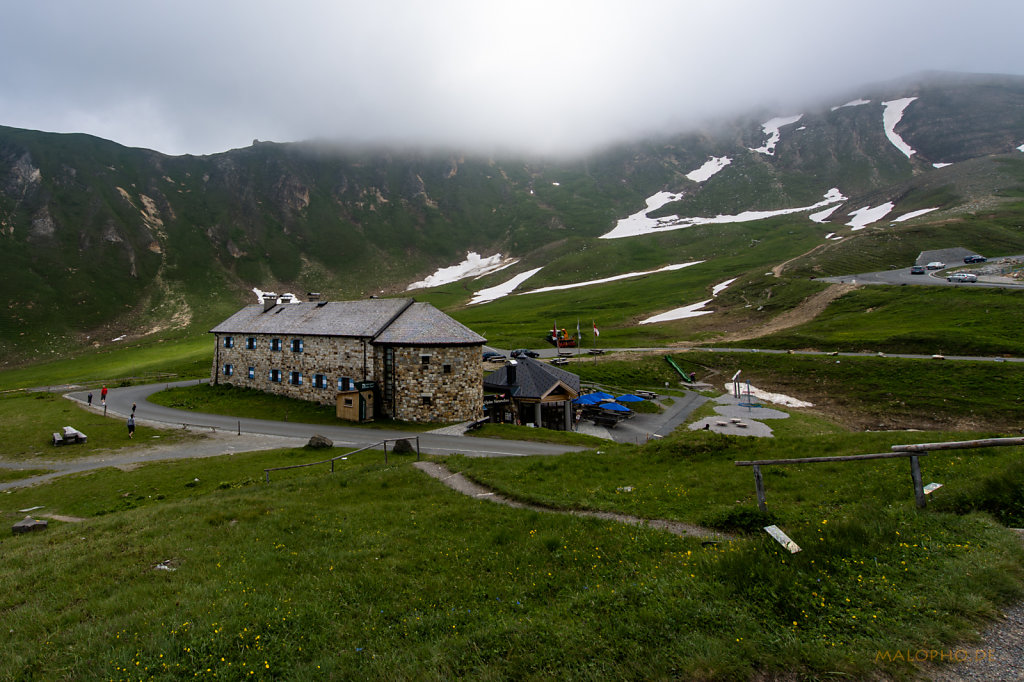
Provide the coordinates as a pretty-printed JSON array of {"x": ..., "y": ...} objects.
[{"x": 120, "y": 400}]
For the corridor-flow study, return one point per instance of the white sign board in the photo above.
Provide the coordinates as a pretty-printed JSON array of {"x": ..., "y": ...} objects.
[{"x": 782, "y": 539}]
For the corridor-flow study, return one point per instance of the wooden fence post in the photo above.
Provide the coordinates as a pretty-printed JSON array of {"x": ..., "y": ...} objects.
[
  {"x": 759, "y": 484},
  {"x": 915, "y": 474}
]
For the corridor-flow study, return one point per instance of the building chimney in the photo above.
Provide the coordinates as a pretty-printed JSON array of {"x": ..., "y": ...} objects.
[
  {"x": 510, "y": 372},
  {"x": 269, "y": 303},
  {"x": 312, "y": 295}
]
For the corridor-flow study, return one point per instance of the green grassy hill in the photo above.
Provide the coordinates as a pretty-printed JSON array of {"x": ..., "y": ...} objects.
[{"x": 102, "y": 242}]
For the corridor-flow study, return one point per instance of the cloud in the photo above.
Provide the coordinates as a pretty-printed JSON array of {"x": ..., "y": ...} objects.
[{"x": 199, "y": 77}]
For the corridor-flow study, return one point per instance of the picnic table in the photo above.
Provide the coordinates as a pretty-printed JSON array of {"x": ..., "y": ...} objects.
[{"x": 69, "y": 435}]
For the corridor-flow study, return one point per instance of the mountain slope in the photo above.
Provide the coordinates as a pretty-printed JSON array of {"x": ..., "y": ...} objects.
[{"x": 101, "y": 240}]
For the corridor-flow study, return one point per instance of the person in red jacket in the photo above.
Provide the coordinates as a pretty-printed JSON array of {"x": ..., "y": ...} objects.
[{"x": 103, "y": 395}]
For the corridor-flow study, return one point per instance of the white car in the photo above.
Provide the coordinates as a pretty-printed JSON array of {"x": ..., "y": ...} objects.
[
  {"x": 935, "y": 265},
  {"x": 962, "y": 277}
]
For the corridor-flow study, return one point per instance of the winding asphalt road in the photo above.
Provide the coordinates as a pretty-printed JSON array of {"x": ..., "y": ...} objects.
[{"x": 119, "y": 403}]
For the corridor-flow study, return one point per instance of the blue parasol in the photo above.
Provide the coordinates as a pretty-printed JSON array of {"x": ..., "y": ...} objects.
[
  {"x": 601, "y": 395},
  {"x": 629, "y": 398},
  {"x": 587, "y": 399},
  {"x": 615, "y": 407}
]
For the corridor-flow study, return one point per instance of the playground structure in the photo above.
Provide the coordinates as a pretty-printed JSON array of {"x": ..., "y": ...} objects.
[{"x": 688, "y": 378}]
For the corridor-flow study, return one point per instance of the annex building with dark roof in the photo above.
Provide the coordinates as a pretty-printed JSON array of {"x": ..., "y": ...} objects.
[
  {"x": 537, "y": 394},
  {"x": 420, "y": 364}
]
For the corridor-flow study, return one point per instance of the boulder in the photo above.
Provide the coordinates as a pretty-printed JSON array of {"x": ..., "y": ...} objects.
[
  {"x": 28, "y": 525},
  {"x": 403, "y": 447},
  {"x": 318, "y": 442}
]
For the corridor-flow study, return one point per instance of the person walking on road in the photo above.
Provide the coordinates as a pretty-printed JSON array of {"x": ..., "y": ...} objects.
[
  {"x": 103, "y": 395},
  {"x": 133, "y": 409},
  {"x": 131, "y": 426},
  {"x": 89, "y": 398}
]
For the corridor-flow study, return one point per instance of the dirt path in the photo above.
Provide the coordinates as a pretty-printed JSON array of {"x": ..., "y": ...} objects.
[
  {"x": 460, "y": 483},
  {"x": 810, "y": 308}
]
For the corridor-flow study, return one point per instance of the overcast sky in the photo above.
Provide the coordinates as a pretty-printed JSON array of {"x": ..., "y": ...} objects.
[{"x": 205, "y": 76}]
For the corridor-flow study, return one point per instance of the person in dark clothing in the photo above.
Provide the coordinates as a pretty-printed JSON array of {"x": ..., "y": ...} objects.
[
  {"x": 89, "y": 398},
  {"x": 133, "y": 408},
  {"x": 131, "y": 426}
]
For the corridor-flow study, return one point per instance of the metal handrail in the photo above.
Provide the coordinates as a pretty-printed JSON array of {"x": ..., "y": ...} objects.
[{"x": 266, "y": 472}]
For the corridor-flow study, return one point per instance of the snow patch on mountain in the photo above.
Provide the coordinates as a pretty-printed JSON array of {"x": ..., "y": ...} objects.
[
  {"x": 863, "y": 217},
  {"x": 710, "y": 167},
  {"x": 719, "y": 288},
  {"x": 639, "y": 224},
  {"x": 503, "y": 289},
  {"x": 576, "y": 285},
  {"x": 941, "y": 165},
  {"x": 822, "y": 216},
  {"x": 692, "y": 310},
  {"x": 914, "y": 214},
  {"x": 771, "y": 130},
  {"x": 473, "y": 266},
  {"x": 1021, "y": 148},
  {"x": 853, "y": 103},
  {"x": 891, "y": 117}
]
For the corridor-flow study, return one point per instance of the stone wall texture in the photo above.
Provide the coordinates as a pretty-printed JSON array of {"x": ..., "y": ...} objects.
[{"x": 445, "y": 388}]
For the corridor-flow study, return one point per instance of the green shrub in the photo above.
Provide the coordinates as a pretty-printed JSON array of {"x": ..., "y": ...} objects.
[
  {"x": 1000, "y": 494},
  {"x": 739, "y": 519}
]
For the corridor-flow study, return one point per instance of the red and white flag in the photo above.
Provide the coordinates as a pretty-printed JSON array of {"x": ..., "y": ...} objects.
[{"x": 596, "y": 333}]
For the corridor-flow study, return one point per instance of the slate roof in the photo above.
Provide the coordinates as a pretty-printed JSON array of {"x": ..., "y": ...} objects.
[
  {"x": 395, "y": 321},
  {"x": 421, "y": 324},
  {"x": 534, "y": 379}
]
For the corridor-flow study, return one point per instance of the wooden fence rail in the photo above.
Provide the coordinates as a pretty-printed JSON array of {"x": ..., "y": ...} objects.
[
  {"x": 266, "y": 472},
  {"x": 911, "y": 451}
]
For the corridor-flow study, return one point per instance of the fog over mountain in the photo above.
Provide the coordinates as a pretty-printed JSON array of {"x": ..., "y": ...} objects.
[{"x": 199, "y": 78}]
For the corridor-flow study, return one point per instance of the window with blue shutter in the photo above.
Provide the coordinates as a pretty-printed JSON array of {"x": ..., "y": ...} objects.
[
  {"x": 228, "y": 370},
  {"x": 250, "y": 343},
  {"x": 275, "y": 344},
  {"x": 296, "y": 345},
  {"x": 295, "y": 379},
  {"x": 252, "y": 372},
  {"x": 229, "y": 342}
]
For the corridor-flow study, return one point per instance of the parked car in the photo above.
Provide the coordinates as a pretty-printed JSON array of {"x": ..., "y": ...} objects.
[
  {"x": 524, "y": 353},
  {"x": 936, "y": 265},
  {"x": 917, "y": 270},
  {"x": 492, "y": 356},
  {"x": 962, "y": 277},
  {"x": 975, "y": 259}
]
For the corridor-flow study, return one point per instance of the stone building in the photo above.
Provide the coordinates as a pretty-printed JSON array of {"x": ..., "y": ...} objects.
[{"x": 422, "y": 364}]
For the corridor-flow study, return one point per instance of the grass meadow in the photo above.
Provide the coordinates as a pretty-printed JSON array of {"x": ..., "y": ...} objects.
[{"x": 199, "y": 568}]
